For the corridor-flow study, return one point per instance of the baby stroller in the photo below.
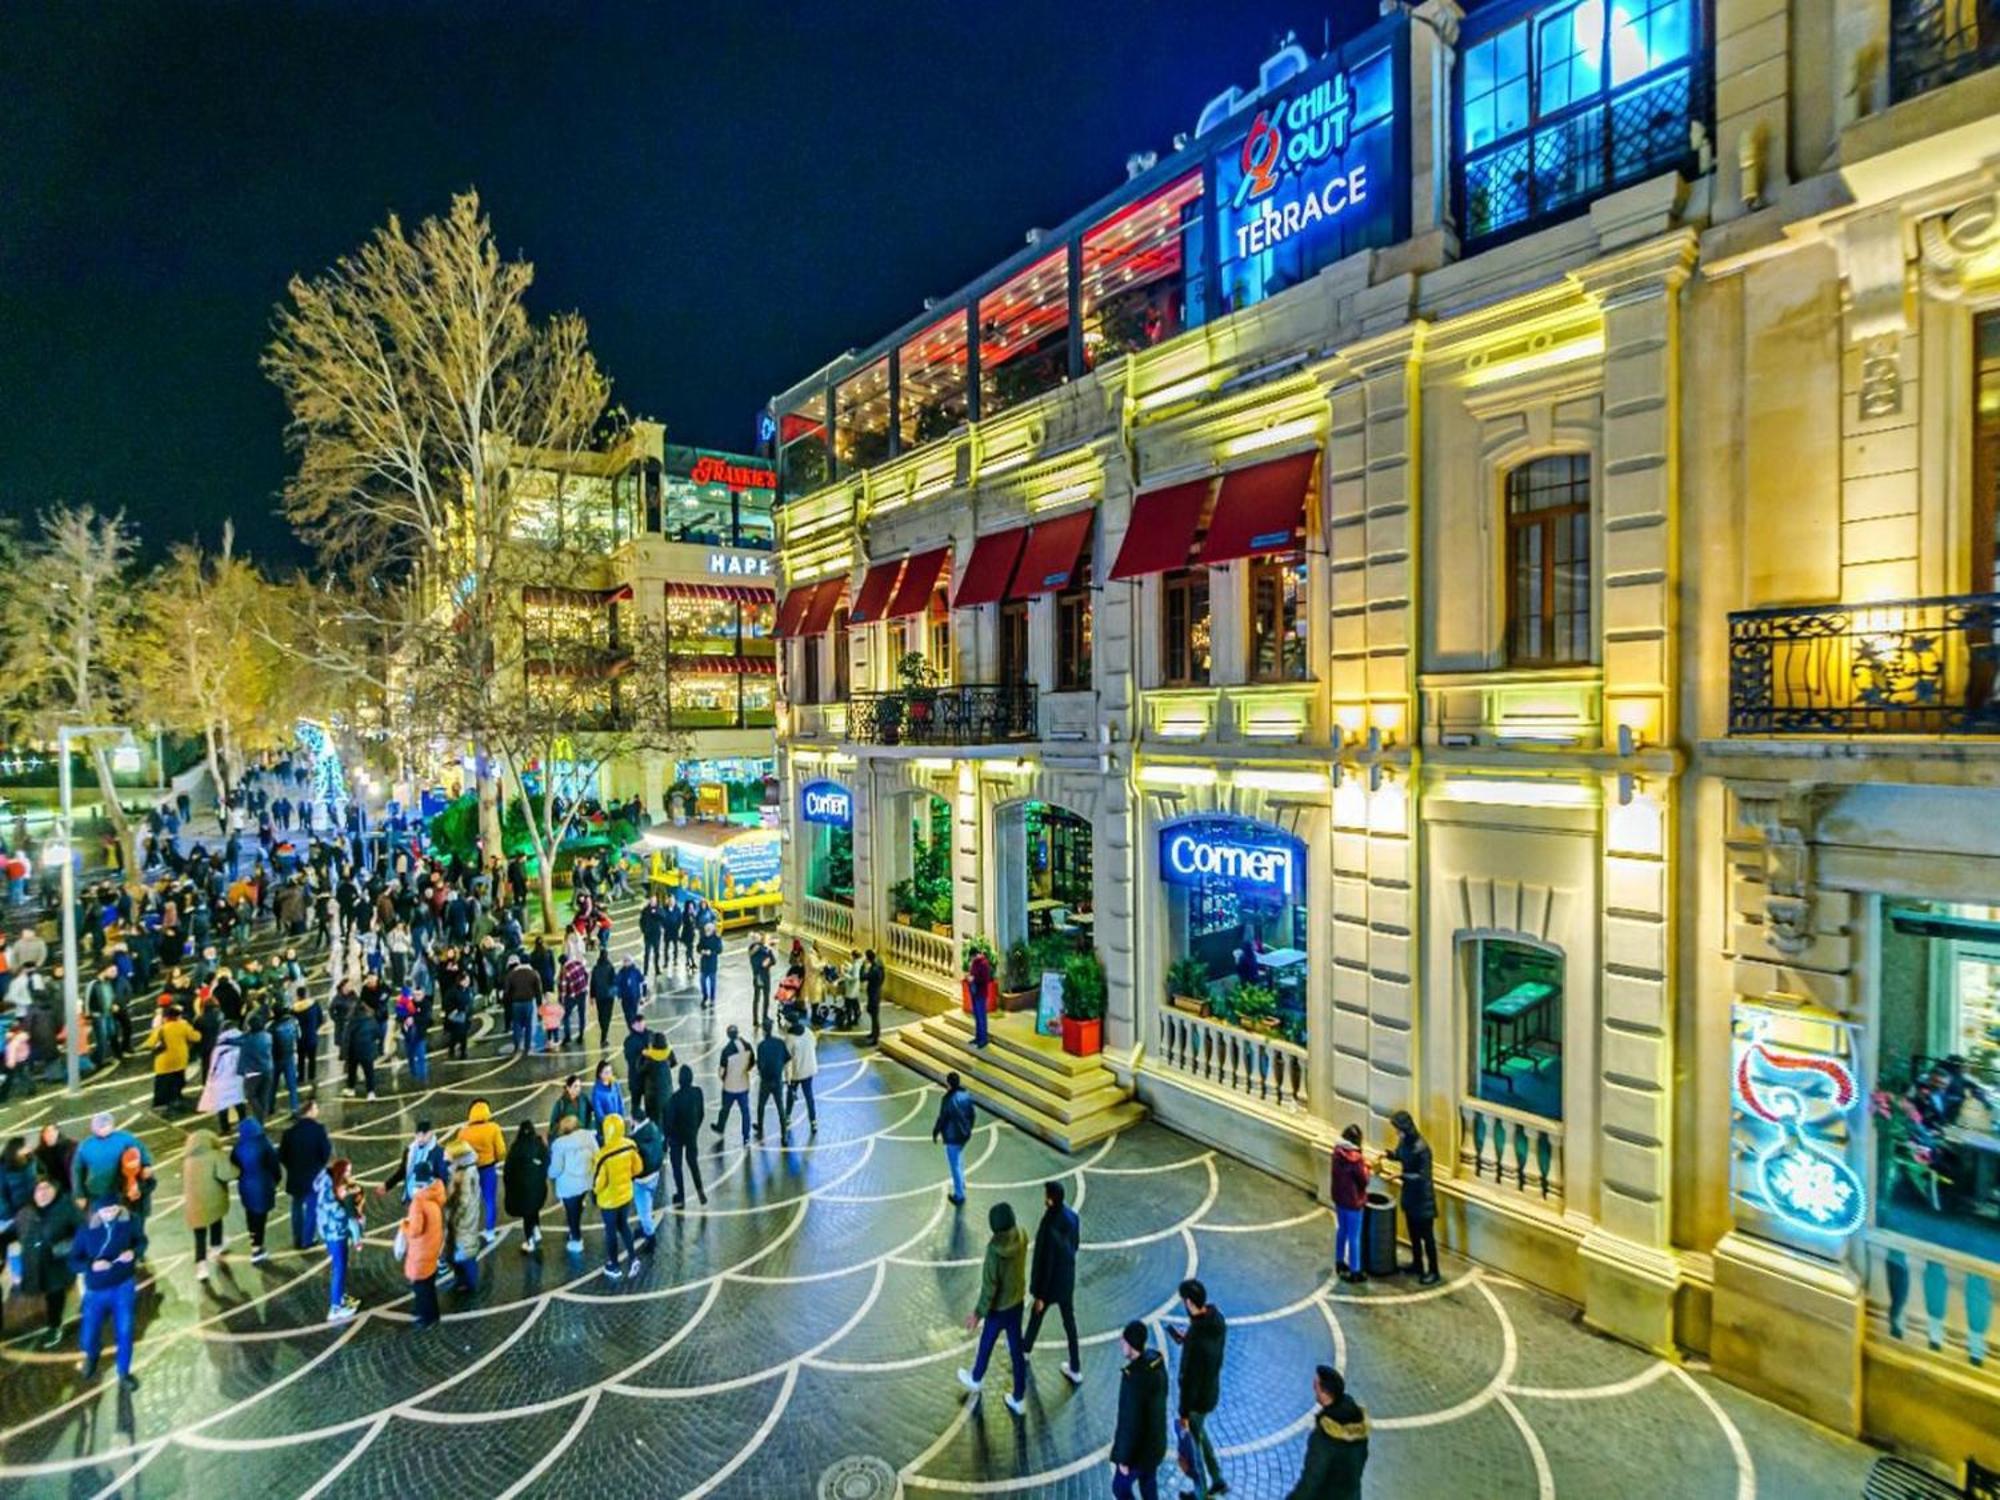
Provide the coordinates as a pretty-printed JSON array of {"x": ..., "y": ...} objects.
[{"x": 827, "y": 1010}]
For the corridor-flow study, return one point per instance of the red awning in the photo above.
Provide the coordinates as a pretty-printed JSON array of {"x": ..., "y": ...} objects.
[
  {"x": 920, "y": 576},
  {"x": 540, "y": 594},
  {"x": 825, "y": 600},
  {"x": 1049, "y": 561},
  {"x": 738, "y": 593},
  {"x": 991, "y": 568},
  {"x": 794, "y": 608},
  {"x": 724, "y": 666},
  {"x": 1260, "y": 509},
  {"x": 875, "y": 591},
  {"x": 1163, "y": 526}
]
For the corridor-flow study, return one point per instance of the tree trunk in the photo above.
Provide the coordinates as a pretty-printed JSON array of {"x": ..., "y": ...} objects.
[
  {"x": 216, "y": 773},
  {"x": 488, "y": 787},
  {"x": 545, "y": 881},
  {"x": 114, "y": 811}
]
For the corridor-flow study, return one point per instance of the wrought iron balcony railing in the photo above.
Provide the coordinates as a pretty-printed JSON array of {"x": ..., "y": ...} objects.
[
  {"x": 1935, "y": 42},
  {"x": 967, "y": 713},
  {"x": 1904, "y": 666}
]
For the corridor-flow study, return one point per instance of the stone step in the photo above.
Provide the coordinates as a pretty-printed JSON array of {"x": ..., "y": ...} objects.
[
  {"x": 1027, "y": 1067},
  {"x": 1044, "y": 1052},
  {"x": 969, "y": 1064},
  {"x": 1069, "y": 1136}
]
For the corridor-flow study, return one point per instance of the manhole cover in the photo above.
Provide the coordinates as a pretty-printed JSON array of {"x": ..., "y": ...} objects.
[{"x": 859, "y": 1478}]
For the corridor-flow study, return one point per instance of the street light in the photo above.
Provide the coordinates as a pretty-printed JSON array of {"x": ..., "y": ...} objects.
[{"x": 72, "y": 1003}]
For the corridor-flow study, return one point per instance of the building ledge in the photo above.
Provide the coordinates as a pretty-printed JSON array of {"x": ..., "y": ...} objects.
[{"x": 1914, "y": 760}]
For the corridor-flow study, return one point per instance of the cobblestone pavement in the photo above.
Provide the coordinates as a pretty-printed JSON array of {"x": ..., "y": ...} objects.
[{"x": 799, "y": 1337}]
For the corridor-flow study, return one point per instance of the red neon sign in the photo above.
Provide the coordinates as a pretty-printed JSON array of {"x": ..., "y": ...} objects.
[{"x": 710, "y": 470}]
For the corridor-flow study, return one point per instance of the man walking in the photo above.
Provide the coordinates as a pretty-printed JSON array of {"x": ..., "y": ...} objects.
[
  {"x": 1202, "y": 1345},
  {"x": 104, "y": 1255},
  {"x": 653, "y": 928},
  {"x": 522, "y": 992},
  {"x": 772, "y": 1056},
  {"x": 1052, "y": 1275},
  {"x": 1003, "y": 1287},
  {"x": 1337, "y": 1446},
  {"x": 1140, "y": 1442},
  {"x": 683, "y": 1126},
  {"x": 304, "y": 1151},
  {"x": 573, "y": 989},
  {"x": 954, "y": 1128},
  {"x": 710, "y": 949},
  {"x": 763, "y": 959},
  {"x": 800, "y": 1070},
  {"x": 734, "y": 1063}
]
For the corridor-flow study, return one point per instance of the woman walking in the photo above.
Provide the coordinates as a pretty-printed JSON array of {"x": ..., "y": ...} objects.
[
  {"x": 463, "y": 1210},
  {"x": 606, "y": 1098},
  {"x": 570, "y": 1162},
  {"x": 45, "y": 1229},
  {"x": 422, "y": 1241},
  {"x": 339, "y": 1201},
  {"x": 257, "y": 1182},
  {"x": 611, "y": 1177},
  {"x": 527, "y": 1183},
  {"x": 489, "y": 1145},
  {"x": 206, "y": 1172}
]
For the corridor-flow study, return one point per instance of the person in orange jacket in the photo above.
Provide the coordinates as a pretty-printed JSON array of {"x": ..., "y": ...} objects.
[
  {"x": 489, "y": 1147},
  {"x": 422, "y": 1237}
]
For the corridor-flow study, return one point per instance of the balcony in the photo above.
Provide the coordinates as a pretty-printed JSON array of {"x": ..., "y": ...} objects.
[
  {"x": 969, "y": 713},
  {"x": 1936, "y": 42},
  {"x": 1904, "y": 666}
]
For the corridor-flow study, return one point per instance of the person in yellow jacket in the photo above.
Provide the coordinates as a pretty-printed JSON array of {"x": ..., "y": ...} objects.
[
  {"x": 489, "y": 1148},
  {"x": 170, "y": 1042},
  {"x": 612, "y": 1172}
]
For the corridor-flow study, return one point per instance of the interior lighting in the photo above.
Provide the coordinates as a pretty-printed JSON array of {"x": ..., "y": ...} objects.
[
  {"x": 1283, "y": 781},
  {"x": 1568, "y": 352},
  {"x": 1177, "y": 776},
  {"x": 933, "y": 763},
  {"x": 1067, "y": 493},
  {"x": 1494, "y": 792},
  {"x": 1002, "y": 465},
  {"x": 1180, "y": 390},
  {"x": 1272, "y": 436},
  {"x": 1004, "y": 767}
]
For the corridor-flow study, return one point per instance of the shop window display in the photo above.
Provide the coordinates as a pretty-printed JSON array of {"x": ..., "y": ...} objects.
[
  {"x": 1135, "y": 273},
  {"x": 1516, "y": 1024},
  {"x": 922, "y": 897},
  {"x": 1236, "y": 902},
  {"x": 1278, "y": 618},
  {"x": 861, "y": 418},
  {"x": 830, "y": 864},
  {"x": 1936, "y": 1103},
  {"x": 1024, "y": 336},
  {"x": 931, "y": 374}
]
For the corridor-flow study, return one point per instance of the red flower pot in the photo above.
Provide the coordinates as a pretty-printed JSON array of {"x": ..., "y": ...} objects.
[{"x": 1082, "y": 1038}]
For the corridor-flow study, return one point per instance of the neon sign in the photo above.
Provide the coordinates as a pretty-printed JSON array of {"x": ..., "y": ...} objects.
[
  {"x": 827, "y": 802},
  {"x": 1800, "y": 1101},
  {"x": 740, "y": 564},
  {"x": 709, "y": 469},
  {"x": 1250, "y": 856}
]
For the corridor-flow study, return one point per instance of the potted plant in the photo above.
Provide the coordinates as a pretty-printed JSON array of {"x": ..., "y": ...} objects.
[
  {"x": 1083, "y": 994},
  {"x": 1187, "y": 985},
  {"x": 1254, "y": 1007},
  {"x": 975, "y": 944},
  {"x": 1017, "y": 978},
  {"x": 902, "y": 901},
  {"x": 919, "y": 693}
]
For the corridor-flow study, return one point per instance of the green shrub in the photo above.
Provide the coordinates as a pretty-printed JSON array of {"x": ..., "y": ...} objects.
[
  {"x": 977, "y": 944},
  {"x": 1020, "y": 968},
  {"x": 1084, "y": 988},
  {"x": 1188, "y": 976}
]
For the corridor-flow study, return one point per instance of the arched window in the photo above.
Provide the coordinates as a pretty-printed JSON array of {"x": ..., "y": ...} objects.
[{"x": 1548, "y": 562}]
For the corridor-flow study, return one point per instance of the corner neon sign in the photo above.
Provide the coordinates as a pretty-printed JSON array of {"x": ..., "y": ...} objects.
[
  {"x": 827, "y": 802},
  {"x": 1803, "y": 1099}
]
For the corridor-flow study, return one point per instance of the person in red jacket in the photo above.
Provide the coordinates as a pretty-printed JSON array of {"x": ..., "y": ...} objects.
[{"x": 1350, "y": 1197}]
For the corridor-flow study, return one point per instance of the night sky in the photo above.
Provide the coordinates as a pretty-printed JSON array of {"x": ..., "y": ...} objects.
[{"x": 730, "y": 194}]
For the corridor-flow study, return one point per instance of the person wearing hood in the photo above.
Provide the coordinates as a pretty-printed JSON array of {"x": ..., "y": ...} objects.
[
  {"x": 651, "y": 1143},
  {"x": 772, "y": 1058},
  {"x": 604, "y": 994},
  {"x": 338, "y": 1202},
  {"x": 611, "y": 1174},
  {"x": 801, "y": 1068},
  {"x": 422, "y": 1240},
  {"x": 570, "y": 1159},
  {"x": 304, "y": 1150},
  {"x": 631, "y": 986},
  {"x": 206, "y": 1172},
  {"x": 464, "y": 1209},
  {"x": 527, "y": 1183},
  {"x": 1412, "y": 1155},
  {"x": 257, "y": 1165},
  {"x": 684, "y": 1115},
  {"x": 1140, "y": 1443},
  {"x": 489, "y": 1146},
  {"x": 224, "y": 1089},
  {"x": 170, "y": 1042},
  {"x": 1350, "y": 1200},
  {"x": 106, "y": 1257},
  {"x": 734, "y": 1063},
  {"x": 1003, "y": 1287},
  {"x": 45, "y": 1229},
  {"x": 1052, "y": 1275},
  {"x": 653, "y": 1084},
  {"x": 1337, "y": 1445}
]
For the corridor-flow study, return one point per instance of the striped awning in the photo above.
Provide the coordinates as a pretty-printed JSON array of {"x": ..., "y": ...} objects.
[
  {"x": 539, "y": 594},
  {"x": 725, "y": 666},
  {"x": 734, "y": 593}
]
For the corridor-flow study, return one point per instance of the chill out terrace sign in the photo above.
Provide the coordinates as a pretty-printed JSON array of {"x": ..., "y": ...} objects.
[
  {"x": 1252, "y": 858},
  {"x": 826, "y": 802}
]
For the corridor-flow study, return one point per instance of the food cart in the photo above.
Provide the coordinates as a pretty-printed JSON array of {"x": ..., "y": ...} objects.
[{"x": 735, "y": 869}]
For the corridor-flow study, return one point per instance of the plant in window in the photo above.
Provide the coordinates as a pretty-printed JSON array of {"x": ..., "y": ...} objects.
[
  {"x": 1018, "y": 975},
  {"x": 976, "y": 944},
  {"x": 1187, "y": 985},
  {"x": 1907, "y": 1145},
  {"x": 1254, "y": 1007}
]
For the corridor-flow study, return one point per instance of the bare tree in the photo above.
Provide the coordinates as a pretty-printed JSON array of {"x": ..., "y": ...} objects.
[
  {"x": 411, "y": 368},
  {"x": 65, "y": 630}
]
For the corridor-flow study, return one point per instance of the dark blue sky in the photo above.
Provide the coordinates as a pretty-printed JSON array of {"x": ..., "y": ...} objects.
[{"x": 730, "y": 194}]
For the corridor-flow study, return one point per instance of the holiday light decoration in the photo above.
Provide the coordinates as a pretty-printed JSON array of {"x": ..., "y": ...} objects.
[{"x": 1799, "y": 1101}]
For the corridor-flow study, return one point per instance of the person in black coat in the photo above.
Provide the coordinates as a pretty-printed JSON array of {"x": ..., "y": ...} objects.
[
  {"x": 1412, "y": 1154},
  {"x": 1052, "y": 1274},
  {"x": 1337, "y": 1446},
  {"x": 872, "y": 975},
  {"x": 45, "y": 1229},
  {"x": 303, "y": 1151},
  {"x": 1140, "y": 1443},
  {"x": 364, "y": 1044},
  {"x": 684, "y": 1114},
  {"x": 524, "y": 1181},
  {"x": 1202, "y": 1346}
]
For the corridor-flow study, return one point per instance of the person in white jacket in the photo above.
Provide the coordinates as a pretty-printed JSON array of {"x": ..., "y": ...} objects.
[
  {"x": 801, "y": 1069},
  {"x": 571, "y": 1161}
]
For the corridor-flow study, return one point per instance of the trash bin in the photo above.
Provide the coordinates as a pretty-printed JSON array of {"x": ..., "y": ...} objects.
[{"x": 1378, "y": 1234}]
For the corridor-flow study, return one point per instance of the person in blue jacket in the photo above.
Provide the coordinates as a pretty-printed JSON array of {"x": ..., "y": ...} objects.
[
  {"x": 606, "y": 1098},
  {"x": 257, "y": 1186},
  {"x": 103, "y": 1254}
]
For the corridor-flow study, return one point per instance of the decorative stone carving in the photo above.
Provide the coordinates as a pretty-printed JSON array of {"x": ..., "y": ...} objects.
[
  {"x": 1788, "y": 818},
  {"x": 1948, "y": 243},
  {"x": 1876, "y": 271}
]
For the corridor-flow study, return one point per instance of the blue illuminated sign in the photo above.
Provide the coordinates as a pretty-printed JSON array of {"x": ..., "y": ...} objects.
[
  {"x": 1254, "y": 858},
  {"x": 826, "y": 802}
]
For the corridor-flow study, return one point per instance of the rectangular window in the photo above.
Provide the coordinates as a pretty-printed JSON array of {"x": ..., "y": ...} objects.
[
  {"x": 1986, "y": 453},
  {"x": 1574, "y": 100},
  {"x": 1135, "y": 272},
  {"x": 931, "y": 373},
  {"x": 809, "y": 650},
  {"x": 1073, "y": 631},
  {"x": 1184, "y": 628},
  {"x": 1548, "y": 562},
  {"x": 1024, "y": 336},
  {"x": 861, "y": 417},
  {"x": 700, "y": 700},
  {"x": 802, "y": 451},
  {"x": 1014, "y": 641},
  {"x": 940, "y": 638},
  {"x": 841, "y": 646},
  {"x": 1516, "y": 1025},
  {"x": 1278, "y": 618}
]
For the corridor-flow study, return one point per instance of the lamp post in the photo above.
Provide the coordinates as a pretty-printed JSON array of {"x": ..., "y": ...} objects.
[{"x": 72, "y": 1003}]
